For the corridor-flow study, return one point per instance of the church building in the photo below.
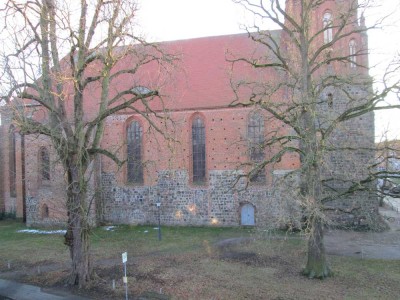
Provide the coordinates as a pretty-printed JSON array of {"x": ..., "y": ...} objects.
[{"x": 193, "y": 172}]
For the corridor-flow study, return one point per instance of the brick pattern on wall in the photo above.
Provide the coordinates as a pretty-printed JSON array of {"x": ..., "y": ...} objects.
[{"x": 216, "y": 203}]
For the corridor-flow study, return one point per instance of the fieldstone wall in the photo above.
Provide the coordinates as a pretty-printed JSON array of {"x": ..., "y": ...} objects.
[
  {"x": 218, "y": 203},
  {"x": 32, "y": 210},
  {"x": 349, "y": 155},
  {"x": 358, "y": 210}
]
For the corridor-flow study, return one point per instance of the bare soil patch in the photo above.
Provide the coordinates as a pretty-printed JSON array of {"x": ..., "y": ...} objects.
[{"x": 375, "y": 245}]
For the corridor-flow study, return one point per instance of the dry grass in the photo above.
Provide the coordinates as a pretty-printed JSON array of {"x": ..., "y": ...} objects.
[{"x": 193, "y": 263}]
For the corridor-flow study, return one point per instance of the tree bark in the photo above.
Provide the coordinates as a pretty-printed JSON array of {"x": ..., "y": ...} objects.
[
  {"x": 77, "y": 236},
  {"x": 317, "y": 265},
  {"x": 311, "y": 189}
]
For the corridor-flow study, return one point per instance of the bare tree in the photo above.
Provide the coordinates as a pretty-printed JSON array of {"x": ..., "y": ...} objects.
[
  {"x": 311, "y": 78},
  {"x": 68, "y": 99}
]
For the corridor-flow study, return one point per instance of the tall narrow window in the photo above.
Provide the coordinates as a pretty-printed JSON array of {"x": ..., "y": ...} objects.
[
  {"x": 352, "y": 53},
  {"x": 12, "y": 162},
  {"x": 256, "y": 145},
  {"x": 44, "y": 163},
  {"x": 198, "y": 151},
  {"x": 327, "y": 24},
  {"x": 134, "y": 152}
]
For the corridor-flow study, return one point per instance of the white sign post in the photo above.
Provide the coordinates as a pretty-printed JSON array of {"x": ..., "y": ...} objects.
[
  {"x": 125, "y": 278},
  {"x": 159, "y": 220}
]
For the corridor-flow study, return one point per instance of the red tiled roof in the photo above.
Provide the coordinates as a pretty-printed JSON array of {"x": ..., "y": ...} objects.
[
  {"x": 206, "y": 80},
  {"x": 202, "y": 77}
]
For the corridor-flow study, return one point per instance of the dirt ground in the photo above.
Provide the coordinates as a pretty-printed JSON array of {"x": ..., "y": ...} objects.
[{"x": 380, "y": 245}]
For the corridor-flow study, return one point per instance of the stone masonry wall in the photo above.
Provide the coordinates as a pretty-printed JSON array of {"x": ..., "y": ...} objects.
[
  {"x": 350, "y": 153},
  {"x": 218, "y": 204}
]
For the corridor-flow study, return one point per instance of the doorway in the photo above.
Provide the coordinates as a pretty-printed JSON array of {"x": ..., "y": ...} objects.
[{"x": 247, "y": 215}]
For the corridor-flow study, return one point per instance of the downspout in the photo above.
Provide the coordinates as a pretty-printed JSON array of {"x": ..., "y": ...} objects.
[{"x": 23, "y": 178}]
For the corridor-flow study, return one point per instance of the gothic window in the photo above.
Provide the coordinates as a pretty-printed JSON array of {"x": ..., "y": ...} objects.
[
  {"x": 327, "y": 24},
  {"x": 44, "y": 163},
  {"x": 134, "y": 153},
  {"x": 255, "y": 129},
  {"x": 12, "y": 162},
  {"x": 352, "y": 53},
  {"x": 198, "y": 151}
]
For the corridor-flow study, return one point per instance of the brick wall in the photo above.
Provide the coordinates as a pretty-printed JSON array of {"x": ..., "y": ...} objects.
[
  {"x": 168, "y": 171},
  {"x": 167, "y": 176},
  {"x": 11, "y": 204}
]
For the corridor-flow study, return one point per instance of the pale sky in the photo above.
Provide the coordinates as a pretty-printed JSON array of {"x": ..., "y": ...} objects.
[{"x": 163, "y": 20}]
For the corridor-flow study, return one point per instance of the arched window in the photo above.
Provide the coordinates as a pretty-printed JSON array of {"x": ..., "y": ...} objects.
[
  {"x": 255, "y": 133},
  {"x": 198, "y": 151},
  {"x": 327, "y": 24},
  {"x": 352, "y": 53},
  {"x": 44, "y": 163},
  {"x": 12, "y": 162},
  {"x": 134, "y": 134}
]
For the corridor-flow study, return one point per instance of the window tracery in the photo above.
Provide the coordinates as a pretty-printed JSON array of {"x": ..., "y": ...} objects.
[
  {"x": 134, "y": 153},
  {"x": 198, "y": 151},
  {"x": 327, "y": 25},
  {"x": 256, "y": 140}
]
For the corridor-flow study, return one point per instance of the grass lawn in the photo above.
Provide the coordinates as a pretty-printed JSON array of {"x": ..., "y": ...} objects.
[{"x": 196, "y": 263}]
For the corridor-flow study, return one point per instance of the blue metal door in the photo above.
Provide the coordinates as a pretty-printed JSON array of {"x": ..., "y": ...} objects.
[{"x": 247, "y": 215}]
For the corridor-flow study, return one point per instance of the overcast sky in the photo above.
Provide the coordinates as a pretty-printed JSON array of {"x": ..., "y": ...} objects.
[
  {"x": 163, "y": 20},
  {"x": 181, "y": 19}
]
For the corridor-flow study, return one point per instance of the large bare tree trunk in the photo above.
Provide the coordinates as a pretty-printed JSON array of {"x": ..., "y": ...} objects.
[
  {"x": 317, "y": 265},
  {"x": 79, "y": 249},
  {"x": 77, "y": 236}
]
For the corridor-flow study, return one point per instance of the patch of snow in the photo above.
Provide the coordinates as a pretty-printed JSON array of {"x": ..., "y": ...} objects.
[
  {"x": 109, "y": 228},
  {"x": 36, "y": 231},
  {"x": 146, "y": 231}
]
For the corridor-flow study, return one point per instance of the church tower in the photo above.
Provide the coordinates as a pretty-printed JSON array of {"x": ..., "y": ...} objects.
[
  {"x": 332, "y": 33},
  {"x": 335, "y": 23}
]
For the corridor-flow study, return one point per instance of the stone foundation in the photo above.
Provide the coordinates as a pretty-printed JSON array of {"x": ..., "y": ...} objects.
[{"x": 218, "y": 203}]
